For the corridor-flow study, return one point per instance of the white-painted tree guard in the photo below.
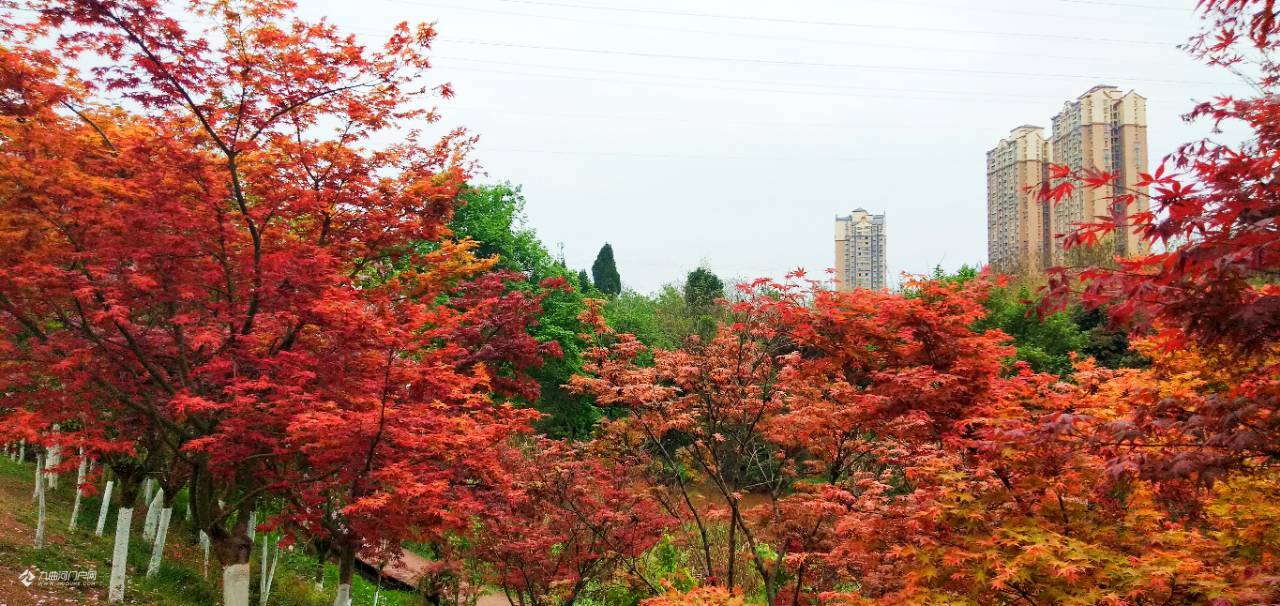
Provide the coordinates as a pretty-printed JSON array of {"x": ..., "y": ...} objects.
[
  {"x": 343, "y": 597},
  {"x": 75, "y": 509},
  {"x": 104, "y": 508},
  {"x": 40, "y": 516},
  {"x": 153, "y": 516},
  {"x": 157, "y": 549},
  {"x": 120, "y": 555},
  {"x": 53, "y": 459},
  {"x": 235, "y": 585}
]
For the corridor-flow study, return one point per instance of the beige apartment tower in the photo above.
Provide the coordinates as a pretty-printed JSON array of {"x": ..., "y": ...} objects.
[
  {"x": 861, "y": 252},
  {"x": 1105, "y": 129},
  {"x": 1018, "y": 230}
]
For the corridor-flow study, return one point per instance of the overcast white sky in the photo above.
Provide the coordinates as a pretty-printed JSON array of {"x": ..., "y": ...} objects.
[{"x": 733, "y": 135}]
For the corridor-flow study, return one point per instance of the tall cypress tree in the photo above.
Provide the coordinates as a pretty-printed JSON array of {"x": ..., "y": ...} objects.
[{"x": 604, "y": 272}]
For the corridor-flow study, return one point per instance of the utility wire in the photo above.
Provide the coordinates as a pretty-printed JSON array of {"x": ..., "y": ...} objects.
[
  {"x": 780, "y": 62},
  {"x": 730, "y": 89},
  {"x": 681, "y": 79},
  {"x": 792, "y": 39},
  {"x": 1126, "y": 5},
  {"x": 679, "y": 120},
  {"x": 842, "y": 24},
  {"x": 944, "y": 6}
]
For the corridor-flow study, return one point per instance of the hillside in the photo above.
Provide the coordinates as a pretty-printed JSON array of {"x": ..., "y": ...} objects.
[{"x": 180, "y": 581}]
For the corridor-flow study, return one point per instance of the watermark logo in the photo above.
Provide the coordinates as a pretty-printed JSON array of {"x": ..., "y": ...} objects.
[{"x": 62, "y": 578}]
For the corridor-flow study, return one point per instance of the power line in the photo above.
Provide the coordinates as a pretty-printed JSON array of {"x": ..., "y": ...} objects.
[
  {"x": 780, "y": 62},
  {"x": 793, "y": 39},
  {"x": 597, "y": 153},
  {"x": 675, "y": 79},
  {"x": 894, "y": 2},
  {"x": 1125, "y": 5},
  {"x": 842, "y": 24},
  {"x": 679, "y": 120}
]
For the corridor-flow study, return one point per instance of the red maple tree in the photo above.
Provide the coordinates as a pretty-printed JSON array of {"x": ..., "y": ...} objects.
[{"x": 224, "y": 271}]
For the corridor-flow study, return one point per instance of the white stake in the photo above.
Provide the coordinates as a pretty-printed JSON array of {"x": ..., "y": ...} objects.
[
  {"x": 271, "y": 574},
  {"x": 253, "y": 524},
  {"x": 104, "y": 508},
  {"x": 204, "y": 546},
  {"x": 120, "y": 555},
  {"x": 157, "y": 550}
]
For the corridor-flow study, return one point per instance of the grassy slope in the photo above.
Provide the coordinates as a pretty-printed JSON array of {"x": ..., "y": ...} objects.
[{"x": 180, "y": 581}]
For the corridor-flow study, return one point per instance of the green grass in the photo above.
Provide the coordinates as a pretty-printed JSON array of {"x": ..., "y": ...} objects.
[{"x": 179, "y": 581}]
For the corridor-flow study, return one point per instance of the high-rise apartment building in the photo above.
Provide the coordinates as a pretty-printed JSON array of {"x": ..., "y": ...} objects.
[
  {"x": 1104, "y": 129},
  {"x": 860, "y": 251},
  {"x": 1017, "y": 223}
]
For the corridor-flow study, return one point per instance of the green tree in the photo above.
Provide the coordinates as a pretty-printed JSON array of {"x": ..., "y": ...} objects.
[
  {"x": 584, "y": 281},
  {"x": 702, "y": 289},
  {"x": 661, "y": 320},
  {"x": 494, "y": 217},
  {"x": 1046, "y": 342},
  {"x": 604, "y": 272}
]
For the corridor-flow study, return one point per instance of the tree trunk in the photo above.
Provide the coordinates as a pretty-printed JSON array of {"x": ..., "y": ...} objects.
[
  {"x": 731, "y": 571},
  {"x": 322, "y": 555},
  {"x": 40, "y": 516},
  {"x": 233, "y": 550},
  {"x": 346, "y": 568},
  {"x": 120, "y": 554},
  {"x": 52, "y": 459},
  {"x": 253, "y": 525},
  {"x": 22, "y": 450},
  {"x": 153, "y": 516},
  {"x": 147, "y": 485},
  {"x": 162, "y": 531},
  {"x": 104, "y": 508},
  {"x": 75, "y": 508}
]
